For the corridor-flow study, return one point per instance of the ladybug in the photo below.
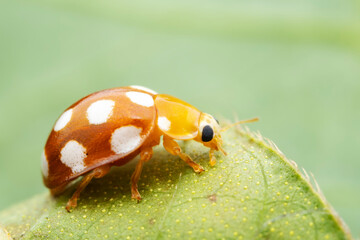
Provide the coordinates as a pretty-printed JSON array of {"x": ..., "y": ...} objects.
[{"x": 111, "y": 127}]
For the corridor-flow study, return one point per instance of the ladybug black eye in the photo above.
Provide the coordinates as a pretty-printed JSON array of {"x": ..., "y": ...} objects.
[{"x": 207, "y": 134}]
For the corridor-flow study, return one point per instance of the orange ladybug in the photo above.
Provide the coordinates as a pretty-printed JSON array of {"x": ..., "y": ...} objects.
[{"x": 111, "y": 127}]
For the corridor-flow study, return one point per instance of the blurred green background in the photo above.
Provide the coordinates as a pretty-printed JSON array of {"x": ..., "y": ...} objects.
[{"x": 294, "y": 64}]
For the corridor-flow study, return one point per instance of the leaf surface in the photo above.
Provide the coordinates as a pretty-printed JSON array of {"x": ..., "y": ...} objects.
[{"x": 252, "y": 193}]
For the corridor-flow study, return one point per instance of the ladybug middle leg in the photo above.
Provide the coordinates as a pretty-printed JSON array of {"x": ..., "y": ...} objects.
[
  {"x": 173, "y": 147},
  {"x": 145, "y": 155},
  {"x": 96, "y": 173}
]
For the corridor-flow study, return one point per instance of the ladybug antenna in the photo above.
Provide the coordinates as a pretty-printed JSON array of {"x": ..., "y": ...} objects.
[{"x": 239, "y": 122}]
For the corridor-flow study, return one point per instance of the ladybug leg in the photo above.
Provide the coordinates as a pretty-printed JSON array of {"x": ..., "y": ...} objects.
[
  {"x": 145, "y": 155},
  {"x": 173, "y": 147},
  {"x": 212, "y": 157},
  {"x": 97, "y": 173}
]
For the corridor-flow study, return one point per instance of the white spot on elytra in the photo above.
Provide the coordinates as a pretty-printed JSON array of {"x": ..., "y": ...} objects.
[
  {"x": 164, "y": 123},
  {"x": 100, "y": 111},
  {"x": 145, "y": 89},
  {"x": 125, "y": 139},
  {"x": 44, "y": 165},
  {"x": 73, "y": 155},
  {"x": 142, "y": 99},
  {"x": 63, "y": 120}
]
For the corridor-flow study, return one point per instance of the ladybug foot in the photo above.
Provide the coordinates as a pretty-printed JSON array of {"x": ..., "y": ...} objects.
[
  {"x": 72, "y": 203},
  {"x": 136, "y": 195},
  {"x": 198, "y": 168}
]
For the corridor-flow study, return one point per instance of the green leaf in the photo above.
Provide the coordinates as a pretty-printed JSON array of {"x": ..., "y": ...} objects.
[{"x": 252, "y": 193}]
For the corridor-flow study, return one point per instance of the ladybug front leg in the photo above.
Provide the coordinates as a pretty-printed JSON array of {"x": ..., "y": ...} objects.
[
  {"x": 97, "y": 173},
  {"x": 212, "y": 157},
  {"x": 173, "y": 147},
  {"x": 145, "y": 155}
]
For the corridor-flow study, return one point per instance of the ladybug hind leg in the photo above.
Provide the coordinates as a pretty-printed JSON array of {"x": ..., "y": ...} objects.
[
  {"x": 145, "y": 155},
  {"x": 96, "y": 173}
]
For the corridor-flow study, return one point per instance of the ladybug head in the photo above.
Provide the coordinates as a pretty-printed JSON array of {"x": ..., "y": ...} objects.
[{"x": 209, "y": 132}]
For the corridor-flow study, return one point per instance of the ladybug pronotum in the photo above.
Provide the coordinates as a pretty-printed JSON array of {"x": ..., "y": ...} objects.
[{"x": 110, "y": 127}]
